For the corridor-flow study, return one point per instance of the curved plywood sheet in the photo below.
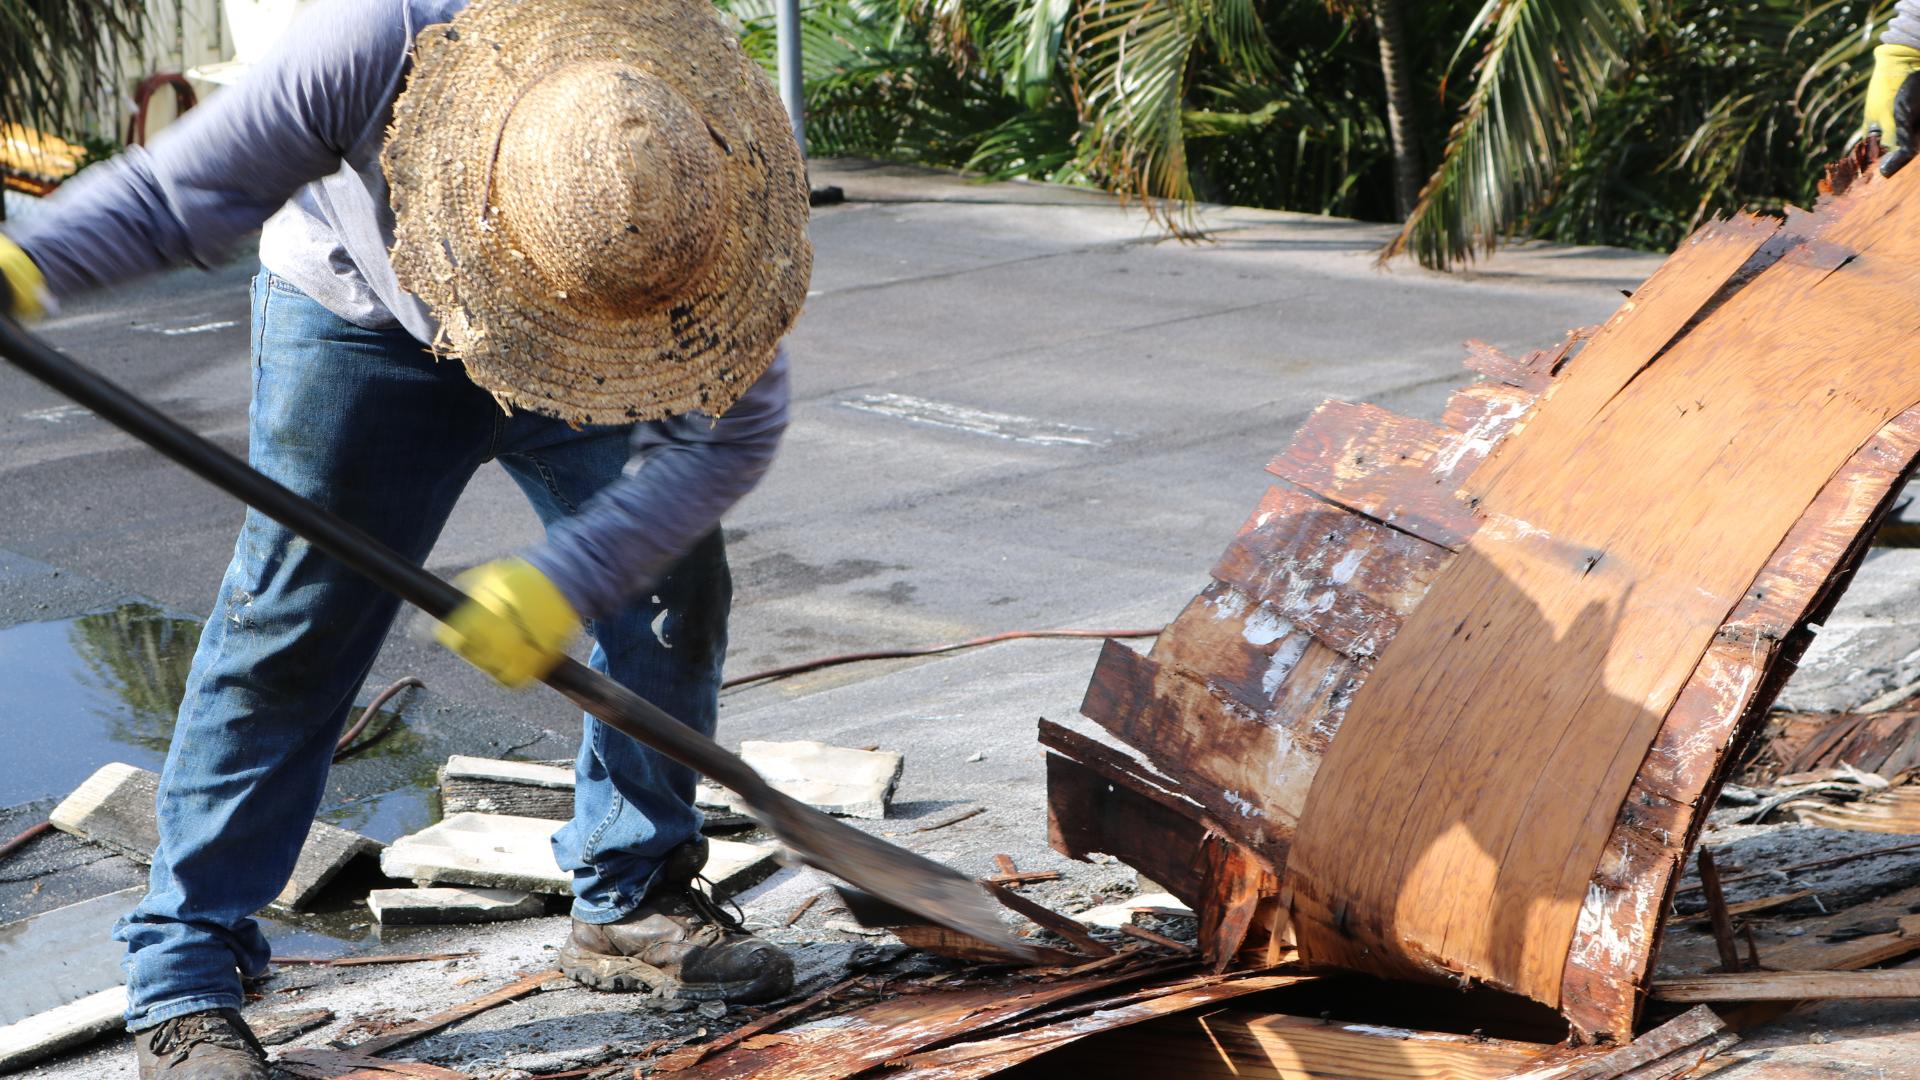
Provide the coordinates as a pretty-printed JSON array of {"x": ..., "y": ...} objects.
[{"x": 1459, "y": 690}]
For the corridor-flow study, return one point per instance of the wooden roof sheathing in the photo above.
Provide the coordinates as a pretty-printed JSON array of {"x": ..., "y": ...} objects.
[{"x": 1458, "y": 693}]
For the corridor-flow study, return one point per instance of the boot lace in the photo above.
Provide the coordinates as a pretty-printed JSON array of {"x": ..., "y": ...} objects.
[
  {"x": 178, "y": 1037},
  {"x": 703, "y": 905}
]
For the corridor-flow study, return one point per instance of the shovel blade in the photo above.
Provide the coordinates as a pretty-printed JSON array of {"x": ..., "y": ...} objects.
[{"x": 936, "y": 893}]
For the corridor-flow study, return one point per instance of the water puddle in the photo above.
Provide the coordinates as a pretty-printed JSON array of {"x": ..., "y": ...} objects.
[{"x": 78, "y": 693}]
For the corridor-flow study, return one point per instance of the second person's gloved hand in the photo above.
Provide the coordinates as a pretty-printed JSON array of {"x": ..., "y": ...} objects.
[
  {"x": 1893, "y": 102},
  {"x": 515, "y": 624},
  {"x": 23, "y": 292}
]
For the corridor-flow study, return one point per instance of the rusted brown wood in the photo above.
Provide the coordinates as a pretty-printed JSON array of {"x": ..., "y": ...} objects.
[
  {"x": 1532, "y": 373},
  {"x": 1250, "y": 776},
  {"x": 891, "y": 1029},
  {"x": 1543, "y": 660},
  {"x": 1686, "y": 1037},
  {"x": 1887, "y": 743},
  {"x": 1396, "y": 470},
  {"x": 1091, "y": 812},
  {"x": 987, "y": 1057},
  {"x": 1240, "y": 1044},
  {"x": 1345, "y": 579},
  {"x": 1727, "y": 693},
  {"x": 1242, "y": 652},
  {"x": 1526, "y": 732},
  {"x": 688, "y": 1056},
  {"x": 1717, "y": 915},
  {"x": 1049, "y": 919},
  {"x": 1236, "y": 885},
  {"x": 1023, "y": 877},
  {"x": 952, "y": 943}
]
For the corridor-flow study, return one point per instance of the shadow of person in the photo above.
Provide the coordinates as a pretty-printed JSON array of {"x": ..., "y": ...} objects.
[{"x": 1465, "y": 807}]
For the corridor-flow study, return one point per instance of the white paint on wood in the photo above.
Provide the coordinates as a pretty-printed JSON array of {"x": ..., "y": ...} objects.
[{"x": 73, "y": 1024}]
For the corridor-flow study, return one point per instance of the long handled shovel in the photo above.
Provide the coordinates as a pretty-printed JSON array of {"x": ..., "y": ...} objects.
[{"x": 900, "y": 877}]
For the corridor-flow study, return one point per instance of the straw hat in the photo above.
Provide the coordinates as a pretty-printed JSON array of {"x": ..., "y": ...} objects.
[{"x": 602, "y": 203}]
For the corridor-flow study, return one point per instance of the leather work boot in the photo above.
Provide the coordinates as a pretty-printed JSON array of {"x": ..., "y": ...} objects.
[
  {"x": 678, "y": 944},
  {"x": 213, "y": 1045}
]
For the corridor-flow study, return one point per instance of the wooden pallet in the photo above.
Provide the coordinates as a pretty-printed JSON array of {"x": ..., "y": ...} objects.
[{"x": 1458, "y": 692}]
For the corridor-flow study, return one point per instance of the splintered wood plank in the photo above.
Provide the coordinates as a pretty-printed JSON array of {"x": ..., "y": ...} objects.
[
  {"x": 1250, "y": 776},
  {"x": 845, "y": 1046},
  {"x": 1395, "y": 469},
  {"x": 1619, "y": 923},
  {"x": 1895, "y": 810},
  {"x": 1646, "y": 324},
  {"x": 1887, "y": 743},
  {"x": 1456, "y": 822},
  {"x": 1241, "y": 650},
  {"x": 1789, "y": 986},
  {"x": 1531, "y": 373},
  {"x": 1240, "y": 1044},
  {"x": 1346, "y": 579},
  {"x": 1090, "y": 811},
  {"x": 1680, "y": 1042},
  {"x": 76, "y": 1023},
  {"x": 988, "y": 1057},
  {"x": 1862, "y": 952}
]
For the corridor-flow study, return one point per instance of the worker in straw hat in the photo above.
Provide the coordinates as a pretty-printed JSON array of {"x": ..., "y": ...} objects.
[{"x": 566, "y": 235}]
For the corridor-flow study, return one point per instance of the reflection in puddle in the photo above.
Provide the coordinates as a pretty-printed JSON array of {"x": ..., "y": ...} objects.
[
  {"x": 390, "y": 815},
  {"x": 78, "y": 693}
]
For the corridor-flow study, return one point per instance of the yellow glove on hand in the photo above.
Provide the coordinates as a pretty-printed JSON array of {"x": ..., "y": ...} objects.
[
  {"x": 27, "y": 288},
  {"x": 515, "y": 624},
  {"x": 1891, "y": 66}
]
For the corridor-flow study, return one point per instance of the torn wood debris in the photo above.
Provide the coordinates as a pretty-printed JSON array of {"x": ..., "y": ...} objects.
[
  {"x": 1789, "y": 986},
  {"x": 1459, "y": 694}
]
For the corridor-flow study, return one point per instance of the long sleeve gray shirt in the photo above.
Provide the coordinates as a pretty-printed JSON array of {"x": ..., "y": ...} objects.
[
  {"x": 296, "y": 146},
  {"x": 1905, "y": 27}
]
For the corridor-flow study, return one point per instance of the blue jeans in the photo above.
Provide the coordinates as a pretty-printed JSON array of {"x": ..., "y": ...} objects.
[{"x": 370, "y": 425}]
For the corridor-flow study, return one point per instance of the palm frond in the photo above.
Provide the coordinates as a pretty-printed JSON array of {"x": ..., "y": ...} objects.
[
  {"x": 54, "y": 54},
  {"x": 1041, "y": 25},
  {"x": 1131, "y": 60},
  {"x": 1542, "y": 73}
]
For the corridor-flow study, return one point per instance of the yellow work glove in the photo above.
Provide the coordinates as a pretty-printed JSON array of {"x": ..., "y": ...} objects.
[
  {"x": 25, "y": 296},
  {"x": 1891, "y": 66},
  {"x": 515, "y": 624}
]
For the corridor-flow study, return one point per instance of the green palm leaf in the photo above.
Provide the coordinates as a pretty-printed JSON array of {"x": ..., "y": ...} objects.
[
  {"x": 1541, "y": 74},
  {"x": 1131, "y": 61},
  {"x": 54, "y": 54}
]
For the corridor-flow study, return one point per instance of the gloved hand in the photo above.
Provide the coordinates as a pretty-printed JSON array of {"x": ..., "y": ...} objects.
[
  {"x": 515, "y": 625},
  {"x": 23, "y": 292},
  {"x": 1891, "y": 100}
]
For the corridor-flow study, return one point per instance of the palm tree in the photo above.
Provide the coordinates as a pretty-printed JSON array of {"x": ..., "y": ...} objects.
[
  {"x": 1396, "y": 74},
  {"x": 55, "y": 53},
  {"x": 1753, "y": 96}
]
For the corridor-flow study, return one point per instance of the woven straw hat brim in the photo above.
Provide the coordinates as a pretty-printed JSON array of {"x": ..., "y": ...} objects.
[{"x": 520, "y": 340}]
